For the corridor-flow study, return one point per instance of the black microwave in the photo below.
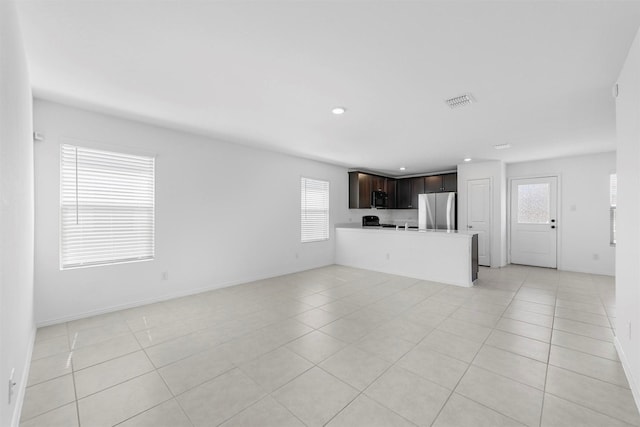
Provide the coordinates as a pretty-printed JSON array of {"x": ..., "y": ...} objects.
[{"x": 379, "y": 199}]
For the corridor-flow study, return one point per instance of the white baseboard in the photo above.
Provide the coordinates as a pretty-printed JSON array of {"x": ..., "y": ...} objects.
[
  {"x": 22, "y": 383},
  {"x": 627, "y": 370},
  {"x": 170, "y": 296}
]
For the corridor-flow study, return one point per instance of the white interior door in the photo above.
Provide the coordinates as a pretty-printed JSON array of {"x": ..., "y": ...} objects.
[
  {"x": 479, "y": 216},
  {"x": 533, "y": 221}
]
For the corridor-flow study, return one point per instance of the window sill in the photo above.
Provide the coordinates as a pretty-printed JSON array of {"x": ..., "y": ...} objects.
[{"x": 105, "y": 264}]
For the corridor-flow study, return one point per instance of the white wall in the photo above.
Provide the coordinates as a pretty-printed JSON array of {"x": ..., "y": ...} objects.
[
  {"x": 628, "y": 226},
  {"x": 495, "y": 171},
  {"x": 225, "y": 214},
  {"x": 583, "y": 211},
  {"x": 16, "y": 215}
]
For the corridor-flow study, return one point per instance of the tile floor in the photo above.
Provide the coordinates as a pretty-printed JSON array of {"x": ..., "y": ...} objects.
[{"x": 339, "y": 346}]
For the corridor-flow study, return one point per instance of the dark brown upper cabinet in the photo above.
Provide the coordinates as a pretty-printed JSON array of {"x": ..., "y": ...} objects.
[
  {"x": 407, "y": 190},
  {"x": 392, "y": 186},
  {"x": 441, "y": 183},
  {"x": 417, "y": 187},
  {"x": 450, "y": 182},
  {"x": 360, "y": 187},
  {"x": 402, "y": 193},
  {"x": 378, "y": 183},
  {"x": 433, "y": 183}
]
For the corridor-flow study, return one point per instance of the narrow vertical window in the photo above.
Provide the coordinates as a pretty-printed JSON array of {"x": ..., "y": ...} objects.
[
  {"x": 106, "y": 207},
  {"x": 314, "y": 213},
  {"x": 613, "y": 200}
]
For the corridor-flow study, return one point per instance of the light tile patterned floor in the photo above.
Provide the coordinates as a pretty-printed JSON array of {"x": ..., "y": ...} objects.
[{"x": 339, "y": 346}]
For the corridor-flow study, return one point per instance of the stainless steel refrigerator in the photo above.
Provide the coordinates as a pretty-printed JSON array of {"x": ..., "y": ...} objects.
[{"x": 437, "y": 211}]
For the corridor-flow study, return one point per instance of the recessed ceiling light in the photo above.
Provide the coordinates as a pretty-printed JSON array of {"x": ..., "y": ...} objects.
[
  {"x": 460, "y": 101},
  {"x": 338, "y": 110},
  {"x": 467, "y": 159},
  {"x": 403, "y": 168},
  {"x": 502, "y": 146}
]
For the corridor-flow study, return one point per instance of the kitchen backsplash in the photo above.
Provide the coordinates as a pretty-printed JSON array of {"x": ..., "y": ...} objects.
[{"x": 387, "y": 216}]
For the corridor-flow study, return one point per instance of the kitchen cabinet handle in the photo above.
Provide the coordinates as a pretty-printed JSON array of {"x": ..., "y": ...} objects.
[
  {"x": 553, "y": 226},
  {"x": 469, "y": 226}
]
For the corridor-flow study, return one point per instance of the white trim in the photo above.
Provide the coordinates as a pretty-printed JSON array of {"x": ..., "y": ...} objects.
[
  {"x": 106, "y": 146},
  {"x": 131, "y": 261},
  {"x": 495, "y": 260},
  {"x": 173, "y": 295},
  {"x": 22, "y": 383},
  {"x": 635, "y": 392}
]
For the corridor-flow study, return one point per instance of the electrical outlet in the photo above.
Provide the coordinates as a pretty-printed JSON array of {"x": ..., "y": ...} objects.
[
  {"x": 388, "y": 256},
  {"x": 297, "y": 255},
  {"x": 596, "y": 257},
  {"x": 165, "y": 275},
  {"x": 12, "y": 384}
]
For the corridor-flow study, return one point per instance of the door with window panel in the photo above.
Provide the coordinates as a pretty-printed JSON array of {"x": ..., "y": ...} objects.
[{"x": 534, "y": 225}]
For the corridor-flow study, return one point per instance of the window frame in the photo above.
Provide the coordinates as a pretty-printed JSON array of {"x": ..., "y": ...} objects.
[
  {"x": 109, "y": 153},
  {"x": 613, "y": 202},
  {"x": 327, "y": 209}
]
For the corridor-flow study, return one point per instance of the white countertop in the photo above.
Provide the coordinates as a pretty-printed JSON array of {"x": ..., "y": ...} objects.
[{"x": 401, "y": 229}]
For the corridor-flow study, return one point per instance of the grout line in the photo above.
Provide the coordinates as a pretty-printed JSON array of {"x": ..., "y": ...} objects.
[
  {"x": 50, "y": 410},
  {"x": 586, "y": 323},
  {"x": 361, "y": 392},
  {"x": 546, "y": 372},
  {"x": 513, "y": 352},
  {"x": 75, "y": 401},
  {"x": 583, "y": 335},
  {"x": 260, "y": 400},
  {"x": 485, "y": 406},
  {"x": 448, "y": 294},
  {"x": 73, "y": 374},
  {"x": 591, "y": 377},
  {"x": 469, "y": 364},
  {"x": 589, "y": 408},
  {"x": 584, "y": 351}
]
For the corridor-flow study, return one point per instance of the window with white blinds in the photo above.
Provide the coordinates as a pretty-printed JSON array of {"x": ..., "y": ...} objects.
[
  {"x": 106, "y": 207},
  {"x": 314, "y": 197},
  {"x": 613, "y": 201}
]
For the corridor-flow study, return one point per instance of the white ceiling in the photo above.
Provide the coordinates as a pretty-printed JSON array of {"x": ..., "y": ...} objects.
[{"x": 267, "y": 73}]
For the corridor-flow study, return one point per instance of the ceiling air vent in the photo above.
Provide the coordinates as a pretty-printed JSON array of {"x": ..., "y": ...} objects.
[{"x": 460, "y": 101}]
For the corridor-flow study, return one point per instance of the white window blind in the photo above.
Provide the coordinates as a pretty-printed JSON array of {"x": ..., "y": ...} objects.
[
  {"x": 613, "y": 201},
  {"x": 314, "y": 197},
  {"x": 106, "y": 207}
]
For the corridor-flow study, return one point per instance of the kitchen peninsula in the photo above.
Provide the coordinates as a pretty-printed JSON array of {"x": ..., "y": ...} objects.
[{"x": 449, "y": 257}]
